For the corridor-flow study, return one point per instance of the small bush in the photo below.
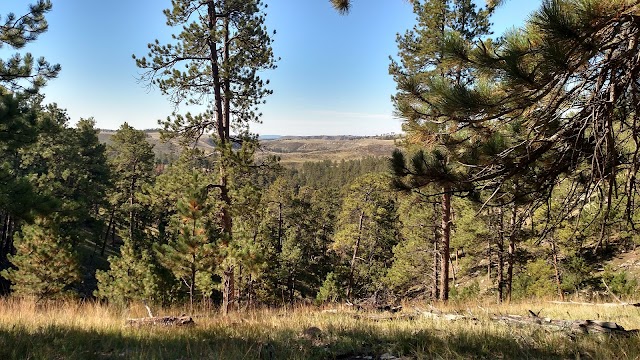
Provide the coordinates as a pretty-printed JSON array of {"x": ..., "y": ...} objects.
[
  {"x": 466, "y": 293},
  {"x": 330, "y": 291},
  {"x": 620, "y": 283},
  {"x": 536, "y": 280}
]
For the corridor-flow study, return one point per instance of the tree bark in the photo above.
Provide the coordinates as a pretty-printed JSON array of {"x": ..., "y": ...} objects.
[
  {"x": 500, "y": 244},
  {"x": 446, "y": 233},
  {"x": 554, "y": 250},
  {"x": 435, "y": 294},
  {"x": 513, "y": 236},
  {"x": 222, "y": 126},
  {"x": 106, "y": 235}
]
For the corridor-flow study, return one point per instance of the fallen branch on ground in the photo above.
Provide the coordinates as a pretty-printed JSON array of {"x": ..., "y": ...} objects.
[
  {"x": 572, "y": 326},
  {"x": 636, "y": 304},
  {"x": 162, "y": 321}
]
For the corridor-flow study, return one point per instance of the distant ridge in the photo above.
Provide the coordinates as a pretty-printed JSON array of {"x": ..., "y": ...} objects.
[
  {"x": 292, "y": 150},
  {"x": 269, "y": 137}
]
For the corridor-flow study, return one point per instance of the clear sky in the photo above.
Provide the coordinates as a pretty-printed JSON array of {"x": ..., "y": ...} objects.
[{"x": 331, "y": 80}]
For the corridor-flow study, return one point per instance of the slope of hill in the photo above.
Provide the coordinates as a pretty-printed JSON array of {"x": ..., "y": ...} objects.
[{"x": 291, "y": 150}]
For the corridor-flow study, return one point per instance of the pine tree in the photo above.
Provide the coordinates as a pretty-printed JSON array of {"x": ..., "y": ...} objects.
[
  {"x": 218, "y": 55},
  {"x": 16, "y": 32},
  {"x": 44, "y": 264},
  {"x": 567, "y": 81},
  {"x": 366, "y": 234},
  {"x": 20, "y": 78},
  {"x": 423, "y": 65},
  {"x": 132, "y": 165},
  {"x": 131, "y": 276},
  {"x": 191, "y": 255}
]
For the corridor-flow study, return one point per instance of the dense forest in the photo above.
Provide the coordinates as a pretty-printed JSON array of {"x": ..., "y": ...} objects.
[{"x": 516, "y": 178}]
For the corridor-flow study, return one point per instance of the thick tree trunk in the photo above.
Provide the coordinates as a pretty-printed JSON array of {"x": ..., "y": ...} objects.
[{"x": 446, "y": 233}]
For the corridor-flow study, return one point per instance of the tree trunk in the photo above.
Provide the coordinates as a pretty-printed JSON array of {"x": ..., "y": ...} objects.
[
  {"x": 106, "y": 235},
  {"x": 500, "y": 244},
  {"x": 227, "y": 294},
  {"x": 238, "y": 295},
  {"x": 436, "y": 256},
  {"x": 279, "y": 246},
  {"x": 222, "y": 127},
  {"x": 446, "y": 233},
  {"x": 512, "y": 249},
  {"x": 554, "y": 250},
  {"x": 131, "y": 212},
  {"x": 489, "y": 259},
  {"x": 354, "y": 256}
]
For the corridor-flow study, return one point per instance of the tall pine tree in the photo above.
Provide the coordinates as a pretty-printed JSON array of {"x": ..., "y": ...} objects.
[{"x": 215, "y": 61}]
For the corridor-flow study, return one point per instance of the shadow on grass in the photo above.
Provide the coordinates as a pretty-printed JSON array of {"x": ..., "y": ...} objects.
[{"x": 56, "y": 342}]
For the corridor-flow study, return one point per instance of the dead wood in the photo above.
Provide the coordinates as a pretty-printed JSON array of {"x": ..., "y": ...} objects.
[
  {"x": 571, "y": 326},
  {"x": 380, "y": 317},
  {"x": 636, "y": 304},
  {"x": 162, "y": 321}
]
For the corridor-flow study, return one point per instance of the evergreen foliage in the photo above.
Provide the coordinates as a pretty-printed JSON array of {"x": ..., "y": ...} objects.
[
  {"x": 132, "y": 163},
  {"x": 131, "y": 276},
  {"x": 191, "y": 254},
  {"x": 44, "y": 264},
  {"x": 16, "y": 32},
  {"x": 216, "y": 60}
]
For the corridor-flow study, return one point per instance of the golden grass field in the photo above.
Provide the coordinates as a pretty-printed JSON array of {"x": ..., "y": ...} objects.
[{"x": 74, "y": 330}]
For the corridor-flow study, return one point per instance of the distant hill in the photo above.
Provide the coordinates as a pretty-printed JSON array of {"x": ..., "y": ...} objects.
[{"x": 292, "y": 150}]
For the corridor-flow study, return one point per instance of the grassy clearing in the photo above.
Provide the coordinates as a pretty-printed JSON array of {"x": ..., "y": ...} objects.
[{"x": 93, "y": 331}]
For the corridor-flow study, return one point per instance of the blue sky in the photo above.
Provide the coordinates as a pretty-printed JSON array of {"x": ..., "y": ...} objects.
[{"x": 332, "y": 78}]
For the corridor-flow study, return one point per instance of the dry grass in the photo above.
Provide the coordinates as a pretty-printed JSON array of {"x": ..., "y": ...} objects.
[{"x": 93, "y": 331}]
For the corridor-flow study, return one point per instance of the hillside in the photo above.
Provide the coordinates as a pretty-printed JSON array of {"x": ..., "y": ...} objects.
[{"x": 292, "y": 150}]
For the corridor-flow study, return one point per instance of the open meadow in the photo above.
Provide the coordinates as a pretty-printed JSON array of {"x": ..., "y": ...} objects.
[{"x": 94, "y": 331}]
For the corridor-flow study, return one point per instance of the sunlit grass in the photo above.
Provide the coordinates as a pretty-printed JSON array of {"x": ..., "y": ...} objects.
[{"x": 93, "y": 331}]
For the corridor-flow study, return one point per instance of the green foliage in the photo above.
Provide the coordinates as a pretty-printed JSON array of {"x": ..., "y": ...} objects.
[
  {"x": 16, "y": 32},
  {"x": 131, "y": 276},
  {"x": 412, "y": 270},
  {"x": 190, "y": 255},
  {"x": 232, "y": 36},
  {"x": 620, "y": 282},
  {"x": 576, "y": 274},
  {"x": 467, "y": 293},
  {"x": 69, "y": 166},
  {"x": 535, "y": 280},
  {"x": 131, "y": 160},
  {"x": 44, "y": 263},
  {"x": 331, "y": 290},
  {"x": 366, "y": 234},
  {"x": 17, "y": 130}
]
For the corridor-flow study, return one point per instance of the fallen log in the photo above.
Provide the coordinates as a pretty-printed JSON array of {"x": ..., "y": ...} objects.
[
  {"x": 162, "y": 321},
  {"x": 443, "y": 316},
  {"x": 571, "y": 326},
  {"x": 376, "y": 317},
  {"x": 636, "y": 304}
]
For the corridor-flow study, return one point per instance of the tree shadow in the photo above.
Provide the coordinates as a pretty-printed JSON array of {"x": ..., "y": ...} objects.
[{"x": 229, "y": 342}]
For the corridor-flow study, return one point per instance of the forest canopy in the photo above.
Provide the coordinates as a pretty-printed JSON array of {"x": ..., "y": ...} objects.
[{"x": 516, "y": 175}]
